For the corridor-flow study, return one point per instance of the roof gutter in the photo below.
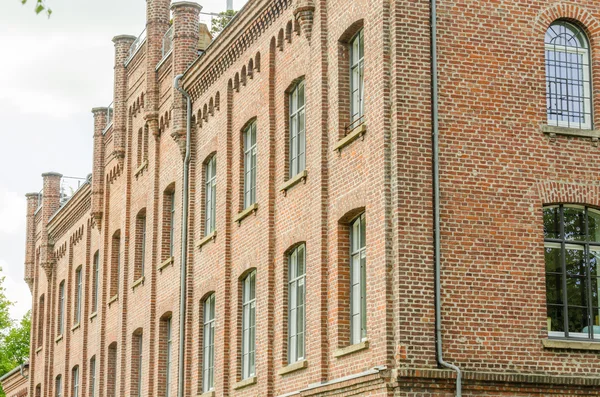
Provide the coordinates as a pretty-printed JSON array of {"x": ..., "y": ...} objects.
[
  {"x": 184, "y": 236},
  {"x": 436, "y": 202}
]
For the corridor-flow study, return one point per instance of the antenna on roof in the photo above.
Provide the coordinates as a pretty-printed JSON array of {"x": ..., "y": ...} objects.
[{"x": 229, "y": 5}]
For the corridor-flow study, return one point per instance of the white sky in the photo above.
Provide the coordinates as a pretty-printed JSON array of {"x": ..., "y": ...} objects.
[{"x": 53, "y": 72}]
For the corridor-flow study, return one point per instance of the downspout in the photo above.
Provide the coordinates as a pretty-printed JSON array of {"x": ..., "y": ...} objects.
[
  {"x": 184, "y": 236},
  {"x": 436, "y": 204}
]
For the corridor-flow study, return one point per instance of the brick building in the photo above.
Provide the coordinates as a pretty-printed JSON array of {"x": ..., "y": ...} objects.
[{"x": 307, "y": 173}]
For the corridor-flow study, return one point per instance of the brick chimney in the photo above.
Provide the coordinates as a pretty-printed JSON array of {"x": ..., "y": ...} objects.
[
  {"x": 100, "y": 119},
  {"x": 186, "y": 22},
  {"x": 32, "y": 205},
  {"x": 50, "y": 204},
  {"x": 122, "y": 46},
  {"x": 157, "y": 24}
]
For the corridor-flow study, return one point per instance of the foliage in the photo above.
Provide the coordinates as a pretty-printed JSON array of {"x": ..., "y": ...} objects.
[
  {"x": 40, "y": 7},
  {"x": 14, "y": 337},
  {"x": 219, "y": 23}
]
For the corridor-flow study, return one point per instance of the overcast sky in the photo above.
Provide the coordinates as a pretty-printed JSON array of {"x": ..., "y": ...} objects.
[{"x": 53, "y": 72}]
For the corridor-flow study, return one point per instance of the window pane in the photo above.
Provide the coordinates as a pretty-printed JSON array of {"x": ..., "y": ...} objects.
[
  {"x": 574, "y": 219},
  {"x": 556, "y": 318},
  {"x": 552, "y": 222},
  {"x": 554, "y": 288},
  {"x": 575, "y": 261},
  {"x": 576, "y": 291},
  {"x": 593, "y": 225},
  {"x": 553, "y": 258},
  {"x": 578, "y": 322}
]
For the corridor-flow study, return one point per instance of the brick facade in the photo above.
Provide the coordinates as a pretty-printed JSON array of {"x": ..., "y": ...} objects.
[{"x": 498, "y": 169}]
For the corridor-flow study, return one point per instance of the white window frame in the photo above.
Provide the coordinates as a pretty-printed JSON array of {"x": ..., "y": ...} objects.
[
  {"x": 58, "y": 386},
  {"x": 210, "y": 206},
  {"x": 297, "y": 304},
  {"x": 249, "y": 326},
  {"x": 96, "y": 281},
  {"x": 143, "y": 238},
  {"x": 172, "y": 227},
  {"x": 61, "y": 307},
  {"x": 250, "y": 160},
  {"x": 358, "y": 281},
  {"x": 76, "y": 381},
  {"x": 297, "y": 160},
  {"x": 208, "y": 345},
  {"x": 93, "y": 376},
  {"x": 585, "y": 69},
  {"x": 78, "y": 282},
  {"x": 357, "y": 66},
  {"x": 168, "y": 361}
]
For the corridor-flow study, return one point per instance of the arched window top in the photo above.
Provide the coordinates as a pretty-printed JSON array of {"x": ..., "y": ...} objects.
[{"x": 566, "y": 34}]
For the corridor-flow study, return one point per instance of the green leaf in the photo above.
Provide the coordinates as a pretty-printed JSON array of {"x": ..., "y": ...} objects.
[{"x": 39, "y": 8}]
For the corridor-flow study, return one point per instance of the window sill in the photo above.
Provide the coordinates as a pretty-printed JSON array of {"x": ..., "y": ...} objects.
[
  {"x": 358, "y": 132},
  {"x": 138, "y": 282},
  {"x": 141, "y": 168},
  {"x": 245, "y": 383},
  {"x": 351, "y": 349},
  {"x": 570, "y": 344},
  {"x": 113, "y": 300},
  {"x": 207, "y": 394},
  {"x": 293, "y": 367},
  {"x": 207, "y": 239},
  {"x": 245, "y": 213},
  {"x": 75, "y": 327},
  {"x": 58, "y": 338},
  {"x": 555, "y": 130},
  {"x": 38, "y": 350},
  {"x": 301, "y": 177},
  {"x": 93, "y": 315},
  {"x": 166, "y": 264}
]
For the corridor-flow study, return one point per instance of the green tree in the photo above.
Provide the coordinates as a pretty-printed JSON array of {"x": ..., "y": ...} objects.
[
  {"x": 40, "y": 7},
  {"x": 219, "y": 23},
  {"x": 14, "y": 337}
]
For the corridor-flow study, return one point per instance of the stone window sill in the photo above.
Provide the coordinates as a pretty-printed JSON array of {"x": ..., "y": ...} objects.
[
  {"x": 570, "y": 344},
  {"x": 93, "y": 315},
  {"x": 141, "y": 168},
  {"x": 246, "y": 213},
  {"x": 245, "y": 383},
  {"x": 166, "y": 264},
  {"x": 351, "y": 349},
  {"x": 138, "y": 282},
  {"x": 301, "y": 177},
  {"x": 75, "y": 327},
  {"x": 58, "y": 338},
  {"x": 358, "y": 132},
  {"x": 38, "y": 350},
  {"x": 293, "y": 367},
  {"x": 207, "y": 239},
  {"x": 210, "y": 393},
  {"x": 113, "y": 300},
  {"x": 552, "y": 131}
]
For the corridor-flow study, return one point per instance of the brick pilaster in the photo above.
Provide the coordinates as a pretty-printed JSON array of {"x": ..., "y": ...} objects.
[
  {"x": 122, "y": 45},
  {"x": 33, "y": 200},
  {"x": 100, "y": 119}
]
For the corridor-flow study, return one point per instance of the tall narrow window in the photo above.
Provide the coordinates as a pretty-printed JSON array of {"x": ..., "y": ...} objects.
[
  {"x": 358, "y": 281},
  {"x": 41, "y": 309},
  {"x": 58, "y": 386},
  {"x": 357, "y": 65},
  {"x": 248, "y": 325},
  {"x": 61, "y": 307},
  {"x": 140, "y": 245},
  {"x": 297, "y": 130},
  {"x": 111, "y": 379},
  {"x": 208, "y": 350},
  {"x": 568, "y": 82},
  {"x": 572, "y": 255},
  {"x": 115, "y": 270},
  {"x": 78, "y": 280},
  {"x": 166, "y": 354},
  {"x": 136, "y": 363},
  {"x": 210, "y": 209},
  {"x": 96, "y": 282},
  {"x": 76, "y": 381},
  {"x": 296, "y": 310},
  {"x": 250, "y": 165},
  {"x": 172, "y": 225},
  {"x": 93, "y": 377}
]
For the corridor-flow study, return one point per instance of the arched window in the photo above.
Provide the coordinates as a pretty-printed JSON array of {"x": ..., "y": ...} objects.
[
  {"x": 357, "y": 66},
  {"x": 140, "y": 246},
  {"x": 249, "y": 137},
  {"x": 61, "y": 308},
  {"x": 78, "y": 296},
  {"x": 75, "y": 381},
  {"x": 358, "y": 280},
  {"x": 572, "y": 255},
  {"x": 58, "y": 386},
  {"x": 210, "y": 191},
  {"x": 297, "y": 130},
  {"x": 249, "y": 325},
  {"x": 208, "y": 345},
  {"x": 296, "y": 304},
  {"x": 568, "y": 83}
]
